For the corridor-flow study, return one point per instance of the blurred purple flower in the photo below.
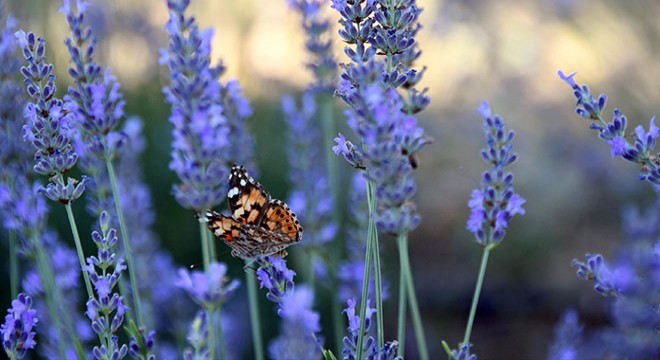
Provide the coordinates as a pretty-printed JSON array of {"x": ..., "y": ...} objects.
[
  {"x": 311, "y": 197},
  {"x": 17, "y": 330},
  {"x": 568, "y": 338},
  {"x": 209, "y": 289},
  {"x": 297, "y": 339}
]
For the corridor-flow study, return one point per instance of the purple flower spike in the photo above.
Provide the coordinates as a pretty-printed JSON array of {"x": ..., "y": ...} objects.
[
  {"x": 493, "y": 206},
  {"x": 639, "y": 150},
  {"x": 50, "y": 125},
  {"x": 209, "y": 131},
  {"x": 17, "y": 330}
]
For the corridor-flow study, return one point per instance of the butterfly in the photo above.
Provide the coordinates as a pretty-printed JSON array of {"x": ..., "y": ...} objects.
[{"x": 259, "y": 225}]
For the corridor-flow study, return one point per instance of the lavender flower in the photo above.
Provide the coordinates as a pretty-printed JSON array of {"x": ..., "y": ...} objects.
[
  {"x": 201, "y": 146},
  {"x": 495, "y": 203},
  {"x": 65, "y": 268},
  {"x": 297, "y": 339},
  {"x": 597, "y": 271},
  {"x": 142, "y": 347},
  {"x": 17, "y": 332},
  {"x": 197, "y": 336},
  {"x": 274, "y": 275},
  {"x": 462, "y": 354},
  {"x": 389, "y": 134},
  {"x": 107, "y": 309},
  {"x": 639, "y": 151},
  {"x": 50, "y": 121},
  {"x": 568, "y": 336},
  {"x": 322, "y": 64},
  {"x": 210, "y": 289},
  {"x": 99, "y": 103},
  {"x": 370, "y": 346},
  {"x": 311, "y": 197}
]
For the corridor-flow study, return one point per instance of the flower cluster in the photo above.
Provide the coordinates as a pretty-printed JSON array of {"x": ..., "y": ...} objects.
[
  {"x": 390, "y": 137},
  {"x": 568, "y": 336},
  {"x": 629, "y": 280},
  {"x": 197, "y": 335},
  {"x": 311, "y": 197},
  {"x": 493, "y": 206},
  {"x": 297, "y": 339},
  {"x": 200, "y": 130},
  {"x": 276, "y": 277},
  {"x": 639, "y": 151},
  {"x": 204, "y": 114},
  {"x": 370, "y": 345},
  {"x": 319, "y": 47},
  {"x": 210, "y": 289},
  {"x": 96, "y": 94},
  {"x": 17, "y": 333},
  {"x": 50, "y": 123},
  {"x": 107, "y": 309},
  {"x": 60, "y": 320}
]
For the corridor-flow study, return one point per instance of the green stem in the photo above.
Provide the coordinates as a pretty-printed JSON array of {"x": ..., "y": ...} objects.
[
  {"x": 257, "y": 341},
  {"x": 477, "y": 292},
  {"x": 412, "y": 301},
  {"x": 127, "y": 244},
  {"x": 401, "y": 332},
  {"x": 210, "y": 313},
  {"x": 372, "y": 242},
  {"x": 222, "y": 353},
  {"x": 331, "y": 163},
  {"x": 13, "y": 265},
  {"x": 55, "y": 302},
  {"x": 365, "y": 293},
  {"x": 379, "y": 290},
  {"x": 81, "y": 256},
  {"x": 206, "y": 256}
]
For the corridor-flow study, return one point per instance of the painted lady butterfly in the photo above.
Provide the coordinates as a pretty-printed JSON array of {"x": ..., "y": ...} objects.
[{"x": 258, "y": 225}]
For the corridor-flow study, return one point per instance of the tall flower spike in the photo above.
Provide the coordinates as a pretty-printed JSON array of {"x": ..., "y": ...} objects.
[
  {"x": 106, "y": 310},
  {"x": 495, "y": 203},
  {"x": 100, "y": 104},
  {"x": 311, "y": 197},
  {"x": 50, "y": 125},
  {"x": 204, "y": 114},
  {"x": 17, "y": 330},
  {"x": 370, "y": 346}
]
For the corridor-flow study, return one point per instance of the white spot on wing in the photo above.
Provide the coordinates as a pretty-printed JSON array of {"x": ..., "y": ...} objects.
[
  {"x": 232, "y": 192},
  {"x": 242, "y": 182}
]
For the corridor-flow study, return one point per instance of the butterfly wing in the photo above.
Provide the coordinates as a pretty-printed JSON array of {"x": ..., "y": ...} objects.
[
  {"x": 232, "y": 233},
  {"x": 247, "y": 199},
  {"x": 282, "y": 223}
]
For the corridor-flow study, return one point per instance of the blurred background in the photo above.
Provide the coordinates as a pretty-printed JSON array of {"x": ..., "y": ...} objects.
[{"x": 507, "y": 52}]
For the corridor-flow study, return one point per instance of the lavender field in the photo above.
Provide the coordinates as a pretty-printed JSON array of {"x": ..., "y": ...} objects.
[{"x": 340, "y": 179}]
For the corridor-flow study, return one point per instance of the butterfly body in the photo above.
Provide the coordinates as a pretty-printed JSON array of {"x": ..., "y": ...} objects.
[{"x": 258, "y": 225}]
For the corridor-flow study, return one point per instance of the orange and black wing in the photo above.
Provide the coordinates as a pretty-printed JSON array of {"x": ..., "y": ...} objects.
[
  {"x": 282, "y": 222},
  {"x": 247, "y": 199},
  {"x": 224, "y": 227}
]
